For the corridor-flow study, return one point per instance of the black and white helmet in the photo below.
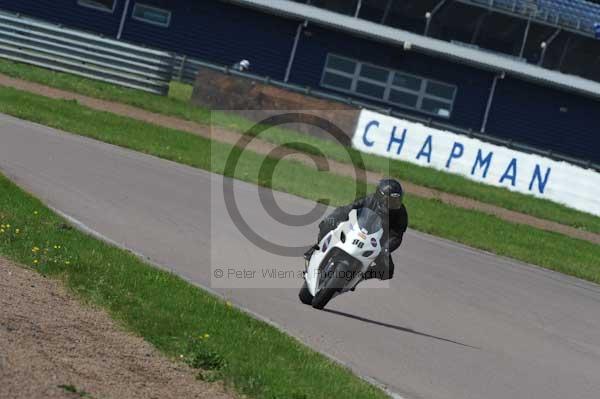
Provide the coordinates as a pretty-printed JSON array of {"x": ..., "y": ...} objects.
[{"x": 388, "y": 195}]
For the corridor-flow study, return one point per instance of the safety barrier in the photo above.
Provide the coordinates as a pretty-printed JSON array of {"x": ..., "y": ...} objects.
[
  {"x": 91, "y": 56},
  {"x": 185, "y": 68}
]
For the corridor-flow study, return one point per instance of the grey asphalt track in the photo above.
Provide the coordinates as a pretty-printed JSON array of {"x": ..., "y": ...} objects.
[{"x": 454, "y": 322}]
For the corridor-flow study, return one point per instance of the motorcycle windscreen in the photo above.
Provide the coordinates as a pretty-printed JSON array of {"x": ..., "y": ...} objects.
[{"x": 368, "y": 220}]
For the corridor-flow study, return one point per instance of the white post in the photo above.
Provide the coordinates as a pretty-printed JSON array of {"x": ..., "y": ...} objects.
[
  {"x": 544, "y": 45},
  {"x": 388, "y": 6},
  {"x": 288, "y": 70},
  {"x": 429, "y": 15},
  {"x": 123, "y": 18},
  {"x": 358, "y": 6},
  {"x": 183, "y": 61},
  {"x": 525, "y": 35},
  {"x": 488, "y": 107},
  {"x": 427, "y": 23}
]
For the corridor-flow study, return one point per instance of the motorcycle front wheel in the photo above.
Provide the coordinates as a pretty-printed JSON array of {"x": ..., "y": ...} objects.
[
  {"x": 330, "y": 286},
  {"x": 305, "y": 295},
  {"x": 323, "y": 297}
]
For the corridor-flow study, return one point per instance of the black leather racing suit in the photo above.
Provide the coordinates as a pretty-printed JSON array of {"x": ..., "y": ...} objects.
[{"x": 395, "y": 223}]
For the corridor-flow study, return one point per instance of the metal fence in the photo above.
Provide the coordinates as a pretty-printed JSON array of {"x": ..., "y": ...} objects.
[
  {"x": 91, "y": 56},
  {"x": 185, "y": 68}
]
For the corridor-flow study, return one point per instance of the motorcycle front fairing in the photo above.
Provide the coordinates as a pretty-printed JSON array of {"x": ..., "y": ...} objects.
[{"x": 358, "y": 239}]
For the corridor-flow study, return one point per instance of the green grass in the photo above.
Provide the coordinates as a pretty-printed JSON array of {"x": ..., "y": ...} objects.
[
  {"x": 479, "y": 230},
  {"x": 176, "y": 317},
  {"x": 177, "y": 104}
]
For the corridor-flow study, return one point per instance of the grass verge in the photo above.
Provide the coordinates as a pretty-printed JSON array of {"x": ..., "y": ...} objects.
[
  {"x": 177, "y": 105},
  {"x": 476, "y": 229},
  {"x": 178, "y": 318}
]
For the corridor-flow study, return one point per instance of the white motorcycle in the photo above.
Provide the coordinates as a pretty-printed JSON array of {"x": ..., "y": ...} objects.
[{"x": 343, "y": 257}]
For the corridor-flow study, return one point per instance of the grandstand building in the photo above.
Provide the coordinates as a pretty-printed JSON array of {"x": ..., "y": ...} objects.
[{"x": 524, "y": 71}]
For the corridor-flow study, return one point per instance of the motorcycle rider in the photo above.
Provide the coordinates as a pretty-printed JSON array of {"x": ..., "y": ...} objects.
[{"x": 387, "y": 202}]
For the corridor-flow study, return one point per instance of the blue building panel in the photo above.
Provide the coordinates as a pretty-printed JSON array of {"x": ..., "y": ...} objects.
[
  {"x": 473, "y": 85},
  {"x": 220, "y": 33},
  {"x": 69, "y": 13},
  {"x": 546, "y": 119}
]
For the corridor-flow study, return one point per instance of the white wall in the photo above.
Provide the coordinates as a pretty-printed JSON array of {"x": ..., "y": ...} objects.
[{"x": 542, "y": 177}]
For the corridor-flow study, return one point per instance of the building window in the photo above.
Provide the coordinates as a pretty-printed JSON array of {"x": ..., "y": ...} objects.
[
  {"x": 102, "y": 5},
  {"x": 389, "y": 86},
  {"x": 152, "y": 15}
]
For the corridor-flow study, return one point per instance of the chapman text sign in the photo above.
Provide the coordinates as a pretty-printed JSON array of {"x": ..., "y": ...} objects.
[{"x": 477, "y": 160}]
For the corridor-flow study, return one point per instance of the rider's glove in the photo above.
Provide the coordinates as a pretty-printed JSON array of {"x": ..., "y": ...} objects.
[{"x": 329, "y": 223}]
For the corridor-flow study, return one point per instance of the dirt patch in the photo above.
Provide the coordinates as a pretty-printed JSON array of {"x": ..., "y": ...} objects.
[
  {"x": 252, "y": 99},
  {"x": 266, "y": 148},
  {"x": 53, "y": 347}
]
